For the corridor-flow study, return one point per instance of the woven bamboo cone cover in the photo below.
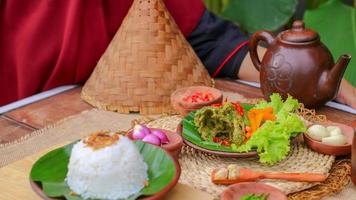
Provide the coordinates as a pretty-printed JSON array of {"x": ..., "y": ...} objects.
[{"x": 145, "y": 62}]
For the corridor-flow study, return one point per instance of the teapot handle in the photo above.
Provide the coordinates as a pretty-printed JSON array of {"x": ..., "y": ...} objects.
[{"x": 256, "y": 37}]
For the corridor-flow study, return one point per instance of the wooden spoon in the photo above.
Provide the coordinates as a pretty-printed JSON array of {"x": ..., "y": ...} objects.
[{"x": 234, "y": 174}]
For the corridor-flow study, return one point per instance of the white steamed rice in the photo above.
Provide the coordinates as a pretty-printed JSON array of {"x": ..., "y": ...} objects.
[{"x": 112, "y": 172}]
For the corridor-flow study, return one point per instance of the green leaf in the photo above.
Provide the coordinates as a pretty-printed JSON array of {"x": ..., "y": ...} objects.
[
  {"x": 53, "y": 166},
  {"x": 51, "y": 169},
  {"x": 336, "y": 24},
  {"x": 55, "y": 189},
  {"x": 313, "y": 4},
  {"x": 72, "y": 197},
  {"x": 280, "y": 109},
  {"x": 254, "y": 197},
  {"x": 161, "y": 168},
  {"x": 272, "y": 139},
  {"x": 190, "y": 133},
  {"x": 76, "y": 197},
  {"x": 253, "y": 15},
  {"x": 276, "y": 103},
  {"x": 289, "y": 106},
  {"x": 215, "y": 6}
]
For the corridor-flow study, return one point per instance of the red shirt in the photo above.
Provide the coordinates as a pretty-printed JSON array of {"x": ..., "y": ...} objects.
[{"x": 49, "y": 43}]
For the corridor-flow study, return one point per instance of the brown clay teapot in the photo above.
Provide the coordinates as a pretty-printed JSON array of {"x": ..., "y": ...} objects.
[{"x": 297, "y": 63}]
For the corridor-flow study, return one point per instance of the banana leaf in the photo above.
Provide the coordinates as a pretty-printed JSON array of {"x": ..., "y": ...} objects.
[
  {"x": 336, "y": 24},
  {"x": 216, "y": 6},
  {"x": 190, "y": 133},
  {"x": 254, "y": 15},
  {"x": 51, "y": 169}
]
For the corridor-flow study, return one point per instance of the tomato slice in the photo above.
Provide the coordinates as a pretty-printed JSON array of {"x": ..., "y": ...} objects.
[
  {"x": 225, "y": 142},
  {"x": 216, "y": 139},
  {"x": 199, "y": 97},
  {"x": 239, "y": 108}
]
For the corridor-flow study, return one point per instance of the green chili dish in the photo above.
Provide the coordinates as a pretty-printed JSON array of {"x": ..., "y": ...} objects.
[{"x": 192, "y": 138}]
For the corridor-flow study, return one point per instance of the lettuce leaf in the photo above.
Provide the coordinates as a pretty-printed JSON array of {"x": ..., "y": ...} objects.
[
  {"x": 276, "y": 103},
  {"x": 280, "y": 109},
  {"x": 289, "y": 106},
  {"x": 272, "y": 139}
]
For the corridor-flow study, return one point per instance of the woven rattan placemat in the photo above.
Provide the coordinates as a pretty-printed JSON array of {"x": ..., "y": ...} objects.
[{"x": 197, "y": 166}]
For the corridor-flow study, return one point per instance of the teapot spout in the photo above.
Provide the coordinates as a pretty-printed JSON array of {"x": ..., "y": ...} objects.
[
  {"x": 339, "y": 68},
  {"x": 331, "y": 82}
]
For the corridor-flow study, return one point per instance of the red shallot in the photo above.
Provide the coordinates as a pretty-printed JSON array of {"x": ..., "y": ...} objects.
[
  {"x": 152, "y": 139},
  {"x": 161, "y": 135},
  {"x": 140, "y": 131}
]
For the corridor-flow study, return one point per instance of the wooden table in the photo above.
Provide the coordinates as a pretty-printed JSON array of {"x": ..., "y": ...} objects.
[{"x": 22, "y": 121}]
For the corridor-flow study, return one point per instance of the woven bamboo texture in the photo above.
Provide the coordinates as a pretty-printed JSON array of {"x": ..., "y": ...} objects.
[
  {"x": 145, "y": 62},
  {"x": 197, "y": 166}
]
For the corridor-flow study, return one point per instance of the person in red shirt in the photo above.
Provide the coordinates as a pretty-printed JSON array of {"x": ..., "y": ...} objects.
[{"x": 45, "y": 44}]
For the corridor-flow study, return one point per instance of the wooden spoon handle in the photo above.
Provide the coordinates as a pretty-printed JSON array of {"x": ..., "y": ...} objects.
[{"x": 302, "y": 177}]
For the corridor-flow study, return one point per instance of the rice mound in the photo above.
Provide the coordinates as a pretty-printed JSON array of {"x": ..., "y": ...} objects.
[{"x": 112, "y": 172}]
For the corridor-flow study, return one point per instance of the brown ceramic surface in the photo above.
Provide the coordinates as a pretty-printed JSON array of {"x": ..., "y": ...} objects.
[
  {"x": 236, "y": 191},
  {"x": 218, "y": 153},
  {"x": 175, "y": 142},
  {"x": 184, "y": 107},
  {"x": 329, "y": 149},
  {"x": 353, "y": 160},
  {"x": 297, "y": 63},
  {"x": 38, "y": 189}
]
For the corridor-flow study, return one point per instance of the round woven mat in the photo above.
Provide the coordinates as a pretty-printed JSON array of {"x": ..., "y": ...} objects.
[
  {"x": 197, "y": 166},
  {"x": 339, "y": 178}
]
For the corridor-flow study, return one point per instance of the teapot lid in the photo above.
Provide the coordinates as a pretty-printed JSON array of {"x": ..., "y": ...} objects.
[{"x": 299, "y": 34}]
